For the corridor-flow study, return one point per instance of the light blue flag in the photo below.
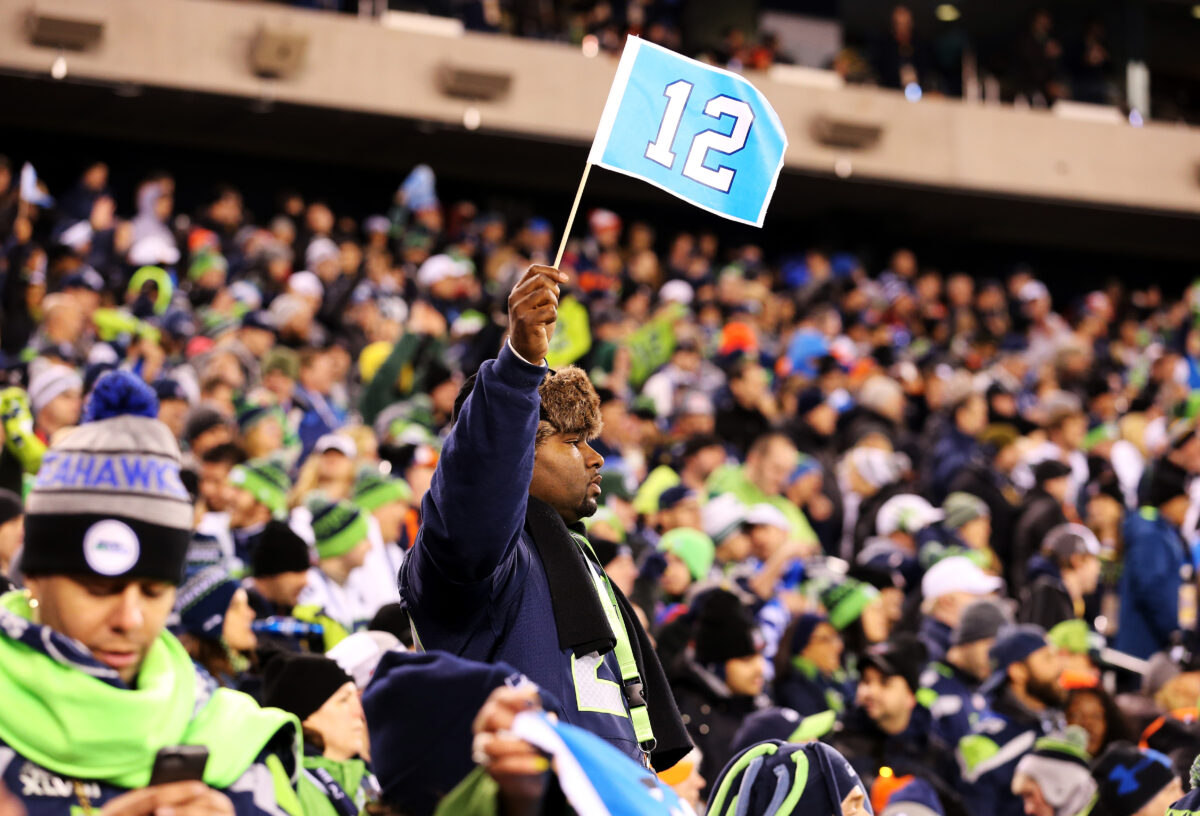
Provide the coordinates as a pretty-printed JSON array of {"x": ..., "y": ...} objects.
[
  {"x": 29, "y": 190},
  {"x": 596, "y": 778},
  {"x": 701, "y": 133}
]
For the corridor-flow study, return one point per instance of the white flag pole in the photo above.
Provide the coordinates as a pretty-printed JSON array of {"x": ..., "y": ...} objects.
[
  {"x": 596, "y": 155},
  {"x": 562, "y": 245}
]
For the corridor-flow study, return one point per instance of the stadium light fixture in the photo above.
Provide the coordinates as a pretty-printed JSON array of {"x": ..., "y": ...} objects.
[
  {"x": 277, "y": 53},
  {"x": 840, "y": 132},
  {"x": 947, "y": 12},
  {"x": 476, "y": 84},
  {"x": 73, "y": 31}
]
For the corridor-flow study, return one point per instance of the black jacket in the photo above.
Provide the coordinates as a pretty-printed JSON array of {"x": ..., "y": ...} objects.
[
  {"x": 919, "y": 750},
  {"x": 1039, "y": 514},
  {"x": 1046, "y": 602},
  {"x": 711, "y": 712}
]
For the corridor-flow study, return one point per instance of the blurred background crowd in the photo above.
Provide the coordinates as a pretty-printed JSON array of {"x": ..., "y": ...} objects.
[{"x": 928, "y": 518}]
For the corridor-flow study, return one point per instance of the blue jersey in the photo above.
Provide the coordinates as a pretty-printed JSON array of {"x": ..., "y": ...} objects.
[
  {"x": 988, "y": 756},
  {"x": 1189, "y": 805},
  {"x": 473, "y": 582},
  {"x": 952, "y": 698},
  {"x": 1150, "y": 582}
]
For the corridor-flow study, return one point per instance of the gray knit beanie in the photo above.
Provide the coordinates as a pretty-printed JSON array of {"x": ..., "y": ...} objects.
[
  {"x": 1059, "y": 764},
  {"x": 108, "y": 499}
]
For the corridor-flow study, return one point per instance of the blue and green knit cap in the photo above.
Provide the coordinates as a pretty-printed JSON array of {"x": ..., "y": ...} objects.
[
  {"x": 935, "y": 551},
  {"x": 1104, "y": 432},
  {"x": 266, "y": 481},
  {"x": 1068, "y": 744},
  {"x": 203, "y": 601},
  {"x": 845, "y": 601},
  {"x": 250, "y": 414},
  {"x": 373, "y": 490},
  {"x": 784, "y": 777},
  {"x": 805, "y": 465},
  {"x": 338, "y": 527}
]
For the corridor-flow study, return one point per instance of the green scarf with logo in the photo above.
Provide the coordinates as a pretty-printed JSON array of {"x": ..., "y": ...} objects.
[{"x": 80, "y": 726}]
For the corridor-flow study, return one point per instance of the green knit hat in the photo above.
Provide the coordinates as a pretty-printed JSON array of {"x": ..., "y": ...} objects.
[
  {"x": 338, "y": 527},
  {"x": 692, "y": 547},
  {"x": 607, "y": 516},
  {"x": 266, "y": 481},
  {"x": 373, "y": 490},
  {"x": 282, "y": 359},
  {"x": 846, "y": 600},
  {"x": 1076, "y": 637},
  {"x": 960, "y": 508},
  {"x": 206, "y": 261},
  {"x": 1104, "y": 432},
  {"x": 1068, "y": 744}
]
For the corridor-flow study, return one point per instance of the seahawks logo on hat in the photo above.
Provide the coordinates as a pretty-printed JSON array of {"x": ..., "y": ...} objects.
[{"x": 111, "y": 547}]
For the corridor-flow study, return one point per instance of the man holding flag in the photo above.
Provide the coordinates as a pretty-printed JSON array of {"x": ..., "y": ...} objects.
[
  {"x": 501, "y": 552},
  {"x": 501, "y": 569}
]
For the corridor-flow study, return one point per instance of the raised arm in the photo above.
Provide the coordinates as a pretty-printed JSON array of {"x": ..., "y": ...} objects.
[{"x": 475, "y": 507}]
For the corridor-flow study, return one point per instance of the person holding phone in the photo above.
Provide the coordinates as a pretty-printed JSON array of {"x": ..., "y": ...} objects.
[{"x": 92, "y": 683}]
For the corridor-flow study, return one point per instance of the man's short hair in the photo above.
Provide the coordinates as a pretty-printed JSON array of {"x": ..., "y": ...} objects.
[
  {"x": 226, "y": 453},
  {"x": 763, "y": 443}
]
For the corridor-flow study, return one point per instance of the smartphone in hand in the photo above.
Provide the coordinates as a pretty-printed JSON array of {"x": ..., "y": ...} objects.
[{"x": 179, "y": 763}]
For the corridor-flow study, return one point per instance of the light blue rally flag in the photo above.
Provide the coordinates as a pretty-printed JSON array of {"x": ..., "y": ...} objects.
[
  {"x": 596, "y": 778},
  {"x": 701, "y": 133}
]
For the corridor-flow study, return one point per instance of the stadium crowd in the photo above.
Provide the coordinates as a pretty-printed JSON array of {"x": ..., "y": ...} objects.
[{"x": 794, "y": 533}]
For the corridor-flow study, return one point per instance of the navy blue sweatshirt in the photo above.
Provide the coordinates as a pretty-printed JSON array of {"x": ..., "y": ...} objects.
[{"x": 473, "y": 582}]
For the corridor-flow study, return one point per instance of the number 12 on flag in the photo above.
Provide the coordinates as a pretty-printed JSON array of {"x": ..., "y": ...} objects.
[{"x": 701, "y": 133}]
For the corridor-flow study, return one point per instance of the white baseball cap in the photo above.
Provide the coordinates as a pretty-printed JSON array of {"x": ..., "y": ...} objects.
[
  {"x": 336, "y": 442},
  {"x": 905, "y": 513},
  {"x": 441, "y": 267},
  {"x": 768, "y": 515},
  {"x": 958, "y": 574},
  {"x": 306, "y": 283},
  {"x": 319, "y": 251},
  {"x": 677, "y": 291},
  {"x": 722, "y": 516}
]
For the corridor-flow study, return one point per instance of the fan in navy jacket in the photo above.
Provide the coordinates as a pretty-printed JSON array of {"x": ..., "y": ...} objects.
[{"x": 474, "y": 583}]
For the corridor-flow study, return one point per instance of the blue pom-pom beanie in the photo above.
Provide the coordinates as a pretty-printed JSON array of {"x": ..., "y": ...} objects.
[{"x": 120, "y": 393}]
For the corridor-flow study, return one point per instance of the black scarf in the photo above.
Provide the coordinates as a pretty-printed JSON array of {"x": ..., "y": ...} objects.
[{"x": 583, "y": 627}]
